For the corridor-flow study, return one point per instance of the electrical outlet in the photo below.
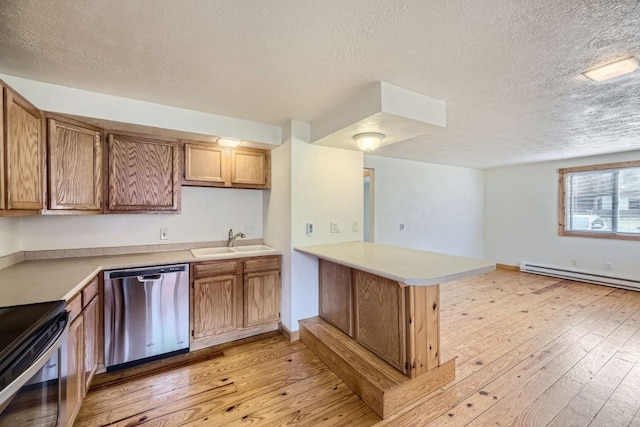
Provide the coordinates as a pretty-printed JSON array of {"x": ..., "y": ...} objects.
[
  {"x": 164, "y": 234},
  {"x": 249, "y": 230},
  {"x": 336, "y": 227},
  {"x": 608, "y": 266},
  {"x": 574, "y": 262},
  {"x": 356, "y": 226}
]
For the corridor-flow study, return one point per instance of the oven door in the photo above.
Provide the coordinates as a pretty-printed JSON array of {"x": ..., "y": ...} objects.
[{"x": 37, "y": 396}]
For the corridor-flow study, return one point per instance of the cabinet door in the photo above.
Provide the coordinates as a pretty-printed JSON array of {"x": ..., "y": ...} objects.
[
  {"x": 205, "y": 164},
  {"x": 261, "y": 298},
  {"x": 214, "y": 305},
  {"x": 23, "y": 151},
  {"x": 91, "y": 322},
  {"x": 75, "y": 371},
  {"x": 380, "y": 320},
  {"x": 249, "y": 168},
  {"x": 75, "y": 166},
  {"x": 336, "y": 296},
  {"x": 143, "y": 175}
]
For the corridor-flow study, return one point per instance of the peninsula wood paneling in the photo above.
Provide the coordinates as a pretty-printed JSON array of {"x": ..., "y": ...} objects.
[
  {"x": 336, "y": 295},
  {"x": 143, "y": 175},
  {"x": 75, "y": 166},
  {"x": 380, "y": 317},
  {"x": 23, "y": 154}
]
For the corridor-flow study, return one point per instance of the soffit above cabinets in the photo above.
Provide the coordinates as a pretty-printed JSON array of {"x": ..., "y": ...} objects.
[{"x": 397, "y": 113}]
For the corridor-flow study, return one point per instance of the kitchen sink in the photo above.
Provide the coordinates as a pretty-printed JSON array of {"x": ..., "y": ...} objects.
[
  {"x": 252, "y": 248},
  {"x": 224, "y": 251},
  {"x": 206, "y": 252}
]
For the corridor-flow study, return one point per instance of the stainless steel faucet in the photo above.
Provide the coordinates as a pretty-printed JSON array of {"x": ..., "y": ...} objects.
[{"x": 232, "y": 238}]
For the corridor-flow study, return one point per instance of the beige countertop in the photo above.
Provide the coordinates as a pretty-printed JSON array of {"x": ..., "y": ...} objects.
[
  {"x": 60, "y": 279},
  {"x": 408, "y": 266}
]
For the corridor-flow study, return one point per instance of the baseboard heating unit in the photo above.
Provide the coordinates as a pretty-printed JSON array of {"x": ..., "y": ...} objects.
[{"x": 598, "y": 279}]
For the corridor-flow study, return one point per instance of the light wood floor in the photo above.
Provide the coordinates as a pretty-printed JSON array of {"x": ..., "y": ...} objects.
[{"x": 532, "y": 351}]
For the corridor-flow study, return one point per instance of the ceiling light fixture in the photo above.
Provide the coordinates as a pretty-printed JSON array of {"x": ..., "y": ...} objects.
[
  {"x": 228, "y": 142},
  {"x": 368, "y": 141},
  {"x": 613, "y": 69}
]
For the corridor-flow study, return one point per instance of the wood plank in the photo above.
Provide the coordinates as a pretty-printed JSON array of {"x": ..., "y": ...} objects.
[{"x": 200, "y": 378}]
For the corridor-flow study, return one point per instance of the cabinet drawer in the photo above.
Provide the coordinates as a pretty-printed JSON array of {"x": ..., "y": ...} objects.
[
  {"x": 262, "y": 263},
  {"x": 214, "y": 268},
  {"x": 89, "y": 292},
  {"x": 74, "y": 307}
]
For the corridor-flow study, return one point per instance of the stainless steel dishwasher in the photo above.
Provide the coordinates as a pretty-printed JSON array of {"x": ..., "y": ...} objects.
[{"x": 146, "y": 314}]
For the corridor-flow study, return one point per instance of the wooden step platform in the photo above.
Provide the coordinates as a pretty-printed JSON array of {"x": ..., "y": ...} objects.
[{"x": 386, "y": 390}]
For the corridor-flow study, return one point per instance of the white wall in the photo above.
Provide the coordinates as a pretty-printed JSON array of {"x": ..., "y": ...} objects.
[
  {"x": 326, "y": 186},
  {"x": 207, "y": 214},
  {"x": 521, "y": 221},
  {"x": 9, "y": 236},
  {"x": 441, "y": 207},
  {"x": 277, "y": 217}
]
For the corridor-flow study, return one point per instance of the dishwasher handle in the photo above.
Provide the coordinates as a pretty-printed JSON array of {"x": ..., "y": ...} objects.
[{"x": 149, "y": 278}]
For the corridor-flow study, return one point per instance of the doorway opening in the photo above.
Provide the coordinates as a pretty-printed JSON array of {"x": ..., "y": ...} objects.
[{"x": 368, "y": 222}]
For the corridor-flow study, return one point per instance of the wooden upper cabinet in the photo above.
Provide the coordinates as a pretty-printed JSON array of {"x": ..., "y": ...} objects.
[
  {"x": 143, "y": 175},
  {"x": 205, "y": 163},
  {"x": 250, "y": 167},
  {"x": 22, "y": 171},
  {"x": 211, "y": 165},
  {"x": 75, "y": 166}
]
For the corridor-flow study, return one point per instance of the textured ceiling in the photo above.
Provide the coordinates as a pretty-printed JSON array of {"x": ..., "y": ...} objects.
[{"x": 508, "y": 70}]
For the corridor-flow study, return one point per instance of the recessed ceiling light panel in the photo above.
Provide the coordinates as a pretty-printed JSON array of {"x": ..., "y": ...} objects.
[{"x": 613, "y": 69}]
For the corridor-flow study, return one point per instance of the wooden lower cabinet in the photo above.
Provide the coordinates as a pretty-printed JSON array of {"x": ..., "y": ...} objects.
[
  {"x": 75, "y": 368},
  {"x": 214, "y": 305},
  {"x": 234, "y": 299},
  {"x": 261, "y": 298},
  {"x": 91, "y": 319},
  {"x": 83, "y": 346}
]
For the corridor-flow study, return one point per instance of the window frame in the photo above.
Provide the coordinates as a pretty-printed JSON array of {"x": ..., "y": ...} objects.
[{"x": 562, "y": 230}]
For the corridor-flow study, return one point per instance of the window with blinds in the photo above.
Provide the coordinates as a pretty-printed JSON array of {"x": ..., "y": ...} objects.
[{"x": 601, "y": 201}]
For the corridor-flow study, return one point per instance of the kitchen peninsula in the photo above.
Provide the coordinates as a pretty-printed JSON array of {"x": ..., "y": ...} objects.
[{"x": 379, "y": 326}]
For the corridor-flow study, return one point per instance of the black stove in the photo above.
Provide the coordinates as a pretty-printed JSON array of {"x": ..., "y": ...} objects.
[{"x": 25, "y": 333}]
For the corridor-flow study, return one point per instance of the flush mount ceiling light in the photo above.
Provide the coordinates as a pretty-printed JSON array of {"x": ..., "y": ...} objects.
[
  {"x": 228, "y": 142},
  {"x": 368, "y": 141},
  {"x": 613, "y": 69}
]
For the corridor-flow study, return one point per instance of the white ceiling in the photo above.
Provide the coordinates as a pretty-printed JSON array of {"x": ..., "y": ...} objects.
[{"x": 508, "y": 70}]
